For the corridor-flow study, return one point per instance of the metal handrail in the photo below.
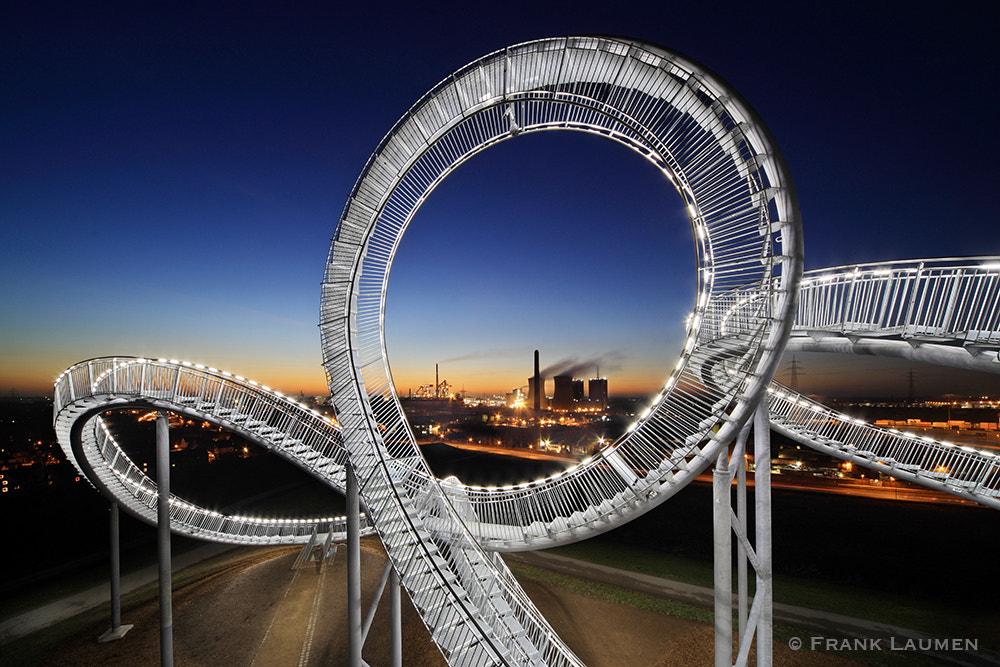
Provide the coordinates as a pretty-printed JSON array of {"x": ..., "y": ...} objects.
[
  {"x": 725, "y": 166},
  {"x": 564, "y": 506},
  {"x": 954, "y": 300},
  {"x": 257, "y": 413},
  {"x": 960, "y": 470}
]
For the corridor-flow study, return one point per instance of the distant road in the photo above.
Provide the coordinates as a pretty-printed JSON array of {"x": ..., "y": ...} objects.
[
  {"x": 858, "y": 488},
  {"x": 863, "y": 488},
  {"x": 504, "y": 451},
  {"x": 972, "y": 437}
]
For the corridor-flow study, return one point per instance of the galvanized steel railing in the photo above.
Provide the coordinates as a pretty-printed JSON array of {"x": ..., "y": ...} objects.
[
  {"x": 265, "y": 417},
  {"x": 523, "y": 516},
  {"x": 941, "y": 300},
  {"x": 743, "y": 214},
  {"x": 957, "y": 469}
]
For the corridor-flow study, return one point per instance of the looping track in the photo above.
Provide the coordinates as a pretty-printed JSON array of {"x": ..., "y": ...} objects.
[{"x": 719, "y": 157}]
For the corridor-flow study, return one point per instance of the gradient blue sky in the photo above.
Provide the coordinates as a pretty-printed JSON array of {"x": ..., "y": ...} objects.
[{"x": 171, "y": 174}]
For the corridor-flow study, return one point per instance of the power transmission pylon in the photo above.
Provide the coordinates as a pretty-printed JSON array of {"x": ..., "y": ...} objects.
[{"x": 794, "y": 371}]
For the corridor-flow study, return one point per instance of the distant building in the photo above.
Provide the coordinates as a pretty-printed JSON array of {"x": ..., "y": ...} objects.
[
  {"x": 516, "y": 399},
  {"x": 599, "y": 392},
  {"x": 531, "y": 393},
  {"x": 562, "y": 394}
]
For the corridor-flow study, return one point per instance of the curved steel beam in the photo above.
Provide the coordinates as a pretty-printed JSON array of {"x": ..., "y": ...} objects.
[{"x": 724, "y": 164}]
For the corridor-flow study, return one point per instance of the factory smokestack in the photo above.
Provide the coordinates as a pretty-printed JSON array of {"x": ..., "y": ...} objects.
[
  {"x": 537, "y": 387},
  {"x": 538, "y": 403},
  {"x": 437, "y": 383}
]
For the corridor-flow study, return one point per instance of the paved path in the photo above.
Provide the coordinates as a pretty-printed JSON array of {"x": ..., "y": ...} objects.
[
  {"x": 293, "y": 621},
  {"x": 43, "y": 617},
  {"x": 823, "y": 623}
]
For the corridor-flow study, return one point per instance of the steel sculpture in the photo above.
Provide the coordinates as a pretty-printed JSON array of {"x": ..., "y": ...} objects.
[
  {"x": 743, "y": 212},
  {"x": 442, "y": 538}
]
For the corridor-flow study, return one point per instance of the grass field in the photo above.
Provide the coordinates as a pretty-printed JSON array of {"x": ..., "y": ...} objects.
[
  {"x": 898, "y": 610},
  {"x": 782, "y": 634}
]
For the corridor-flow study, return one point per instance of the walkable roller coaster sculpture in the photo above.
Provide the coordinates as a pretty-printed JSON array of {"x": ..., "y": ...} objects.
[{"x": 443, "y": 538}]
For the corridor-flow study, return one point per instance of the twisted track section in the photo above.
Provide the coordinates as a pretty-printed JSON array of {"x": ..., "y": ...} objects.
[
  {"x": 942, "y": 311},
  {"x": 966, "y": 472},
  {"x": 301, "y": 436},
  {"x": 518, "y": 512},
  {"x": 931, "y": 301}
]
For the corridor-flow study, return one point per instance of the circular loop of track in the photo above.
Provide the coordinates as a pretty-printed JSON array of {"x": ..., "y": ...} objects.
[{"x": 716, "y": 153}]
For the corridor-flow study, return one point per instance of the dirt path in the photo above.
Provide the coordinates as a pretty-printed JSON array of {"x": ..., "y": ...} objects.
[
  {"x": 256, "y": 611},
  {"x": 293, "y": 620}
]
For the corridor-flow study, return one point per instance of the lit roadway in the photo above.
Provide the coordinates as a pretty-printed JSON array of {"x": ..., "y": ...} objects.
[
  {"x": 505, "y": 451},
  {"x": 867, "y": 488},
  {"x": 858, "y": 488}
]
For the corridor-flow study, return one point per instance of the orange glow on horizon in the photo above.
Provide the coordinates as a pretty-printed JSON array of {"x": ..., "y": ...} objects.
[
  {"x": 502, "y": 383},
  {"x": 35, "y": 375}
]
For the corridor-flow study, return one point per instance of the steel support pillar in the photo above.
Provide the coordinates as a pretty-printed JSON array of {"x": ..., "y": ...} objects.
[
  {"x": 367, "y": 625},
  {"x": 741, "y": 526},
  {"x": 723, "y": 540},
  {"x": 116, "y": 583},
  {"x": 354, "y": 638},
  {"x": 117, "y": 630},
  {"x": 762, "y": 543},
  {"x": 163, "y": 538},
  {"x": 396, "y": 611},
  {"x": 390, "y": 578},
  {"x": 754, "y": 622}
]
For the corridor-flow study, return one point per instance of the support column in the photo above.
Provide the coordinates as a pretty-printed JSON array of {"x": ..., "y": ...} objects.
[
  {"x": 354, "y": 640},
  {"x": 741, "y": 557},
  {"x": 116, "y": 587},
  {"x": 762, "y": 545},
  {"x": 723, "y": 541},
  {"x": 163, "y": 538},
  {"x": 396, "y": 612},
  {"x": 117, "y": 630}
]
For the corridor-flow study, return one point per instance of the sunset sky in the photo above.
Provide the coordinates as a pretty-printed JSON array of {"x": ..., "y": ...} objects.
[{"x": 171, "y": 175}]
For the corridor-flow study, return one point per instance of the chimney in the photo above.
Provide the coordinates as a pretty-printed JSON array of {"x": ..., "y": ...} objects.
[
  {"x": 437, "y": 383},
  {"x": 537, "y": 387},
  {"x": 538, "y": 403}
]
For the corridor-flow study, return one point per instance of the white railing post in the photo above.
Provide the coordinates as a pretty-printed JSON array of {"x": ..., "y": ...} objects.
[{"x": 909, "y": 328}]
